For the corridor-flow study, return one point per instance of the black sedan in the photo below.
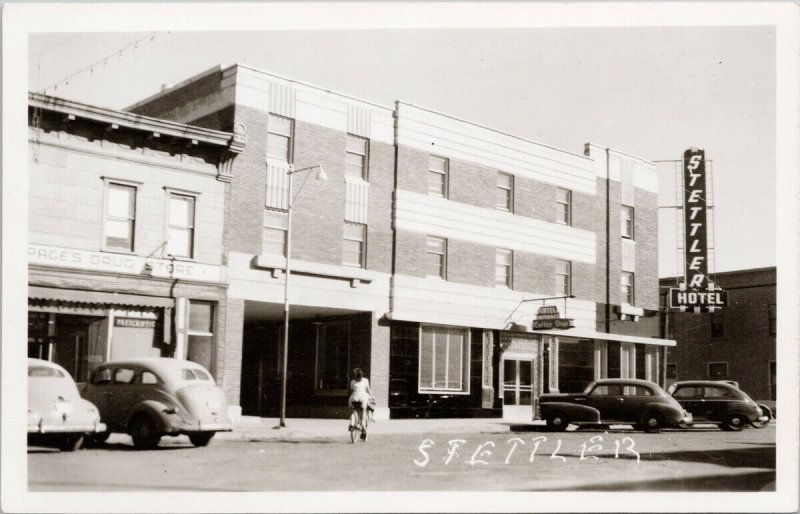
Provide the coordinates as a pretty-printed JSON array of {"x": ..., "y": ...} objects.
[
  {"x": 639, "y": 403},
  {"x": 711, "y": 401}
]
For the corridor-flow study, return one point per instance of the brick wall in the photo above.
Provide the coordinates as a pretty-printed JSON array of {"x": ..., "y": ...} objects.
[
  {"x": 472, "y": 184},
  {"x": 746, "y": 344},
  {"x": 410, "y": 254},
  {"x": 646, "y": 234},
  {"x": 470, "y": 263},
  {"x": 412, "y": 170},
  {"x": 67, "y": 194},
  {"x": 381, "y": 186},
  {"x": 533, "y": 273},
  {"x": 379, "y": 361},
  {"x": 244, "y": 204},
  {"x": 229, "y": 347}
]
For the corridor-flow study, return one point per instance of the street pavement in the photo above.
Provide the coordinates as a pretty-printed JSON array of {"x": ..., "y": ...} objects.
[{"x": 420, "y": 455}]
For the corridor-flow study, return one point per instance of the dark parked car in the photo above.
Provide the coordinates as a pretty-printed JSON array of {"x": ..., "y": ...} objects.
[
  {"x": 711, "y": 401},
  {"x": 151, "y": 397},
  {"x": 640, "y": 403},
  {"x": 57, "y": 415}
]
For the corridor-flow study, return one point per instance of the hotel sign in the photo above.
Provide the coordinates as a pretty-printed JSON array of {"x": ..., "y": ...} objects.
[
  {"x": 547, "y": 317},
  {"x": 41, "y": 255},
  {"x": 697, "y": 292}
]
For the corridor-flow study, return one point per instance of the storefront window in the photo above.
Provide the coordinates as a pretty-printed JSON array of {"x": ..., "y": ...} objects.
[
  {"x": 333, "y": 356},
  {"x": 613, "y": 360},
  {"x": 443, "y": 359},
  {"x": 575, "y": 366},
  {"x": 199, "y": 346}
]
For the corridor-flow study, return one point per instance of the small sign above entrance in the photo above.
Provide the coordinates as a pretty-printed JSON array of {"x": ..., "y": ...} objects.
[
  {"x": 547, "y": 317},
  {"x": 134, "y": 322}
]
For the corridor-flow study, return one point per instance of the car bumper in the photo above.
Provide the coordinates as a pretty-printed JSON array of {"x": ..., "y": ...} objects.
[
  {"x": 42, "y": 428},
  {"x": 206, "y": 427}
]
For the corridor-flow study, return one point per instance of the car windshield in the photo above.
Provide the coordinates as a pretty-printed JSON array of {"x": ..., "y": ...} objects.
[{"x": 44, "y": 371}]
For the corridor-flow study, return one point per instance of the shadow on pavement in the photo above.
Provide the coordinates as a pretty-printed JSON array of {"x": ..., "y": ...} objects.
[
  {"x": 755, "y": 481},
  {"x": 735, "y": 458}
]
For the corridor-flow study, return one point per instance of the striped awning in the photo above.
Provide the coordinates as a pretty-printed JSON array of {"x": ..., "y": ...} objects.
[{"x": 98, "y": 297}]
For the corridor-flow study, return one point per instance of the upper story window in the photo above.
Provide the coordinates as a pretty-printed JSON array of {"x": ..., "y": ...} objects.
[
  {"x": 273, "y": 241},
  {"x": 563, "y": 277},
  {"x": 437, "y": 176},
  {"x": 353, "y": 247},
  {"x": 717, "y": 324},
  {"x": 436, "y": 257},
  {"x": 180, "y": 239},
  {"x": 773, "y": 319},
  {"x": 503, "y": 265},
  {"x": 563, "y": 206},
  {"x": 626, "y": 221},
  {"x": 279, "y": 138},
  {"x": 717, "y": 370},
  {"x": 505, "y": 192},
  {"x": 356, "y": 158},
  {"x": 626, "y": 287},
  {"x": 120, "y": 218}
]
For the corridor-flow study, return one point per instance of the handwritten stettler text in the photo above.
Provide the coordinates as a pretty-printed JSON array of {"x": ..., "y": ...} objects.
[{"x": 516, "y": 449}]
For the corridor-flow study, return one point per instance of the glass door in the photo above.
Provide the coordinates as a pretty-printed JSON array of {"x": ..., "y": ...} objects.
[{"x": 517, "y": 389}]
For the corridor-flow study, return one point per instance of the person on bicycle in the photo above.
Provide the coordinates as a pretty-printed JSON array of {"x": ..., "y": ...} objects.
[{"x": 360, "y": 395}]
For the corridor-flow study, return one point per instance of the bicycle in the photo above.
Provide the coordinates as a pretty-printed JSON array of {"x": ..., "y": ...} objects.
[{"x": 358, "y": 424}]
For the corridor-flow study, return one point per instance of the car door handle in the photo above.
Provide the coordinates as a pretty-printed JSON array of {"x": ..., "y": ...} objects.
[{"x": 620, "y": 399}]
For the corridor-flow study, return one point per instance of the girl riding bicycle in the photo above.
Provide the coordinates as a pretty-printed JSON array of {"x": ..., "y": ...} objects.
[{"x": 360, "y": 396}]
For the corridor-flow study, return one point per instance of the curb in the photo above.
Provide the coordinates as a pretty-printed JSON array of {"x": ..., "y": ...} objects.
[{"x": 299, "y": 435}]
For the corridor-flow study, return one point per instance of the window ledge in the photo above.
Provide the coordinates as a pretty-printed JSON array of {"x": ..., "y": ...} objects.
[{"x": 277, "y": 264}]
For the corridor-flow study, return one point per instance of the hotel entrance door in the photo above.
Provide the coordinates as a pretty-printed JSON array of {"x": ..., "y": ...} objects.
[{"x": 517, "y": 389}]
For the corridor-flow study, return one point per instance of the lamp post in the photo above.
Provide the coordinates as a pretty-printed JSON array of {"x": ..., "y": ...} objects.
[{"x": 320, "y": 176}]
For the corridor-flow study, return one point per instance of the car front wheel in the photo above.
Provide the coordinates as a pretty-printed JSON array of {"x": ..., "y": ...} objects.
[
  {"x": 201, "y": 438},
  {"x": 735, "y": 422},
  {"x": 652, "y": 422},
  {"x": 557, "y": 422},
  {"x": 70, "y": 443},
  {"x": 144, "y": 432}
]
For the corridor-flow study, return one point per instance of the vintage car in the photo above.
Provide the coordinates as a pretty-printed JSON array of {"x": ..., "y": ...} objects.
[
  {"x": 640, "y": 403},
  {"x": 57, "y": 415},
  {"x": 720, "y": 402},
  {"x": 152, "y": 397}
]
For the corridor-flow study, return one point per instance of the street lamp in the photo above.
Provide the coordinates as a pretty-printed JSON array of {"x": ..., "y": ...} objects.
[{"x": 320, "y": 176}]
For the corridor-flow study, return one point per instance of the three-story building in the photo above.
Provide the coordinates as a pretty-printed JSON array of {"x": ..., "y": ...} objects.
[{"x": 466, "y": 270}]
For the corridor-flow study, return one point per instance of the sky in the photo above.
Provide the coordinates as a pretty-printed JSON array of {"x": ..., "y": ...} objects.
[{"x": 652, "y": 92}]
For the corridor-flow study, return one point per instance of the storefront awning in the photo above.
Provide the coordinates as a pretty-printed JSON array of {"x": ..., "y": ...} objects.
[
  {"x": 581, "y": 333},
  {"x": 97, "y": 297}
]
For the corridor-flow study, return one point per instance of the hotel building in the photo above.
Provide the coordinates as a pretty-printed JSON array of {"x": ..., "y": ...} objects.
[{"x": 444, "y": 258}]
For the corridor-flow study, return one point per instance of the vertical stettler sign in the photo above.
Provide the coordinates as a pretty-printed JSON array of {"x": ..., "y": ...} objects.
[{"x": 697, "y": 293}]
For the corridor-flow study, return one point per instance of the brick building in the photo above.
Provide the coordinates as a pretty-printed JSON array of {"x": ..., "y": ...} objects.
[
  {"x": 426, "y": 258},
  {"x": 735, "y": 343},
  {"x": 125, "y": 228}
]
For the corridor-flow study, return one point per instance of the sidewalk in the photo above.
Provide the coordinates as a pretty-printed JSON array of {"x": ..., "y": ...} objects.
[{"x": 261, "y": 429}]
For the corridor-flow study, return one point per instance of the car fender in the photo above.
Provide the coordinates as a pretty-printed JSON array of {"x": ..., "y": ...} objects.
[
  {"x": 157, "y": 411},
  {"x": 575, "y": 412},
  {"x": 748, "y": 411},
  {"x": 668, "y": 411}
]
